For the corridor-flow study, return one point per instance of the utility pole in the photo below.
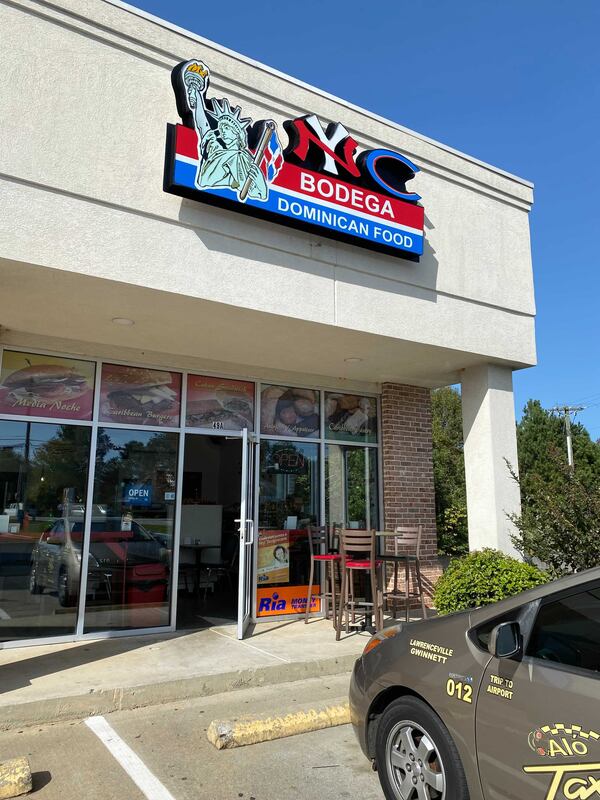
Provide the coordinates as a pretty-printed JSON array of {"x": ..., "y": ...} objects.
[{"x": 566, "y": 412}]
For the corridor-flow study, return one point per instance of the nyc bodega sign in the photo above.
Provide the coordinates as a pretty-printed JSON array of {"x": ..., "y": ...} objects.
[{"x": 316, "y": 183}]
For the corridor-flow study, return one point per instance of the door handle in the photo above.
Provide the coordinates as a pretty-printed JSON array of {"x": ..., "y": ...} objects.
[{"x": 250, "y": 531}]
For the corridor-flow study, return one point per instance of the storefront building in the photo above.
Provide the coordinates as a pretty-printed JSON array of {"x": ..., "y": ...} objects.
[{"x": 226, "y": 296}]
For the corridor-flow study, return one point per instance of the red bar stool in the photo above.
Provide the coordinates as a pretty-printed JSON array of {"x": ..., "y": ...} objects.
[
  {"x": 357, "y": 551},
  {"x": 319, "y": 541}
]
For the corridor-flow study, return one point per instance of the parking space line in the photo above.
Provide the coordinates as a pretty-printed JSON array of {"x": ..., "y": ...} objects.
[
  {"x": 4, "y": 614},
  {"x": 133, "y": 765}
]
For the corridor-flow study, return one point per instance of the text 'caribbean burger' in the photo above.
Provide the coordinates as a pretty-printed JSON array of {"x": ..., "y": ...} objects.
[{"x": 138, "y": 392}]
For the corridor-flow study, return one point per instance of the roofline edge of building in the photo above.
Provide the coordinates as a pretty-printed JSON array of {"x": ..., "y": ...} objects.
[{"x": 302, "y": 84}]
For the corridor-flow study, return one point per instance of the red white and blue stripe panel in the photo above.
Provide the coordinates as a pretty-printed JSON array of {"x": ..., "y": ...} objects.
[{"x": 315, "y": 199}]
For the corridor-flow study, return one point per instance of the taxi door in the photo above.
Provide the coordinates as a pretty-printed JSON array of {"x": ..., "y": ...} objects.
[{"x": 538, "y": 713}]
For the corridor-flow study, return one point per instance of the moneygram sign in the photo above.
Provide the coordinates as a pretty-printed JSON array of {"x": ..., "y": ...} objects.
[{"x": 317, "y": 182}]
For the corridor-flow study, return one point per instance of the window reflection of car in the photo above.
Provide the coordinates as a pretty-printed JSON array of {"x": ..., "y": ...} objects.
[
  {"x": 78, "y": 509},
  {"x": 124, "y": 566},
  {"x": 164, "y": 539}
]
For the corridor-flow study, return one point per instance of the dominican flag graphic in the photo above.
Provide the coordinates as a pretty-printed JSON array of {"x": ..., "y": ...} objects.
[{"x": 272, "y": 160}]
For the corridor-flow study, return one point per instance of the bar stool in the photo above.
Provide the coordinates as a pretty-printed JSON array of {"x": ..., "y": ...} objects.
[
  {"x": 409, "y": 541},
  {"x": 319, "y": 540},
  {"x": 357, "y": 550}
]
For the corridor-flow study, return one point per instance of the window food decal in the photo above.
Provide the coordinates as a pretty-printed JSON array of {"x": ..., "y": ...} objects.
[{"x": 316, "y": 183}]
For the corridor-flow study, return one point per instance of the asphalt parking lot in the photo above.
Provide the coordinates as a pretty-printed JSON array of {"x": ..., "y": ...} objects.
[{"x": 70, "y": 761}]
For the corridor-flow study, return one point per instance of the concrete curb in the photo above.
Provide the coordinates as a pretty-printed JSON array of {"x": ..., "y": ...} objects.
[
  {"x": 106, "y": 701},
  {"x": 224, "y": 734},
  {"x": 15, "y": 778}
]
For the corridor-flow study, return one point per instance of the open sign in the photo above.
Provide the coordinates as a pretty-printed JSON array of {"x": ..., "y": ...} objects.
[{"x": 137, "y": 494}]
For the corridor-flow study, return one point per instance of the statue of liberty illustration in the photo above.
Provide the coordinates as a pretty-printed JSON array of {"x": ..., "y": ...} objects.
[{"x": 225, "y": 160}]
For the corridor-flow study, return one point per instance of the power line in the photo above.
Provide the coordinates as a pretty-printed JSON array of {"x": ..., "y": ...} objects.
[{"x": 589, "y": 397}]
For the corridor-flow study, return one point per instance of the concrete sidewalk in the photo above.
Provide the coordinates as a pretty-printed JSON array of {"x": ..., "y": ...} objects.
[{"x": 70, "y": 681}]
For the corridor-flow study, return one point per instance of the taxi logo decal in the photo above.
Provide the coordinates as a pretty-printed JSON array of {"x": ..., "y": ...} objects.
[
  {"x": 561, "y": 740},
  {"x": 584, "y": 786}
]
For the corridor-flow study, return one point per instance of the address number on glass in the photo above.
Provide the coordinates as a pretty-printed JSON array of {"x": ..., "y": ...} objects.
[
  {"x": 462, "y": 691},
  {"x": 218, "y": 426}
]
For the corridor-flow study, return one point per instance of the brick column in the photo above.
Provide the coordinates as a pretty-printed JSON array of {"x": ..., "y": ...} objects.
[{"x": 408, "y": 492}]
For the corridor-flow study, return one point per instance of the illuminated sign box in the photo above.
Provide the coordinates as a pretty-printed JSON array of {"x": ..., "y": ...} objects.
[{"x": 316, "y": 183}]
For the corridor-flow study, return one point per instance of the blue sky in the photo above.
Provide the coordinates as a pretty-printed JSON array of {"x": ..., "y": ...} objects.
[{"x": 513, "y": 82}]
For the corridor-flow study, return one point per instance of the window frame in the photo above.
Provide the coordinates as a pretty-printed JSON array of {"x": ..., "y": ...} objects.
[
  {"x": 557, "y": 597},
  {"x": 525, "y": 615}
]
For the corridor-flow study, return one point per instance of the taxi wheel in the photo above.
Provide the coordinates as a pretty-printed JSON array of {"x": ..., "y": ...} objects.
[{"x": 416, "y": 756}]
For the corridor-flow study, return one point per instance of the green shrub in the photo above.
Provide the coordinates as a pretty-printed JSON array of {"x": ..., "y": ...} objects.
[
  {"x": 453, "y": 533},
  {"x": 483, "y": 577}
]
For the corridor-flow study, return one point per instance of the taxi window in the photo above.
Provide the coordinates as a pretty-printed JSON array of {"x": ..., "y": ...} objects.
[{"x": 567, "y": 631}]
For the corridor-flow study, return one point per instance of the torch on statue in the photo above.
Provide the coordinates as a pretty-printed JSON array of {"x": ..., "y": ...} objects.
[{"x": 225, "y": 161}]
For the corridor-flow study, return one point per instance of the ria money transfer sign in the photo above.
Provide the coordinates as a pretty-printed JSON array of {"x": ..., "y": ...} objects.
[{"x": 317, "y": 182}]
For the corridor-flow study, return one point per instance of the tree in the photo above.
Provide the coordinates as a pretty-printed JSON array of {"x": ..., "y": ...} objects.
[
  {"x": 542, "y": 451},
  {"x": 449, "y": 471},
  {"x": 559, "y": 524},
  {"x": 58, "y": 463}
]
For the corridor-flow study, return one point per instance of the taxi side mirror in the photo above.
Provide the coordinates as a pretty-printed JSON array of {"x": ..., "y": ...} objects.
[{"x": 505, "y": 640}]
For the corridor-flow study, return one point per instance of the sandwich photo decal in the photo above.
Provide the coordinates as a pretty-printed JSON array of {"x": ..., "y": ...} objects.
[
  {"x": 140, "y": 395},
  {"x": 219, "y": 403},
  {"x": 46, "y": 386}
]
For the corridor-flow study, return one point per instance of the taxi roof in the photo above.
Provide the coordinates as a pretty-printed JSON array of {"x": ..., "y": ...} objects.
[{"x": 484, "y": 613}]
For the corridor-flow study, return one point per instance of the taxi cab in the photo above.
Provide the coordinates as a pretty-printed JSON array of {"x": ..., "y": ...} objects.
[{"x": 500, "y": 702}]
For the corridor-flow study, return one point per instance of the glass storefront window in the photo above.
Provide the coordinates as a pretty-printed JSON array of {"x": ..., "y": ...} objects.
[
  {"x": 289, "y": 412},
  {"x": 44, "y": 481},
  {"x": 288, "y": 504},
  {"x": 351, "y": 486},
  {"x": 131, "y": 541},
  {"x": 43, "y": 477},
  {"x": 350, "y": 418}
]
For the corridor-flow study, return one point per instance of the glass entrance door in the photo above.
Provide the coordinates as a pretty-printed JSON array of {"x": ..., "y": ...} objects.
[
  {"x": 216, "y": 555},
  {"x": 246, "y": 529}
]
